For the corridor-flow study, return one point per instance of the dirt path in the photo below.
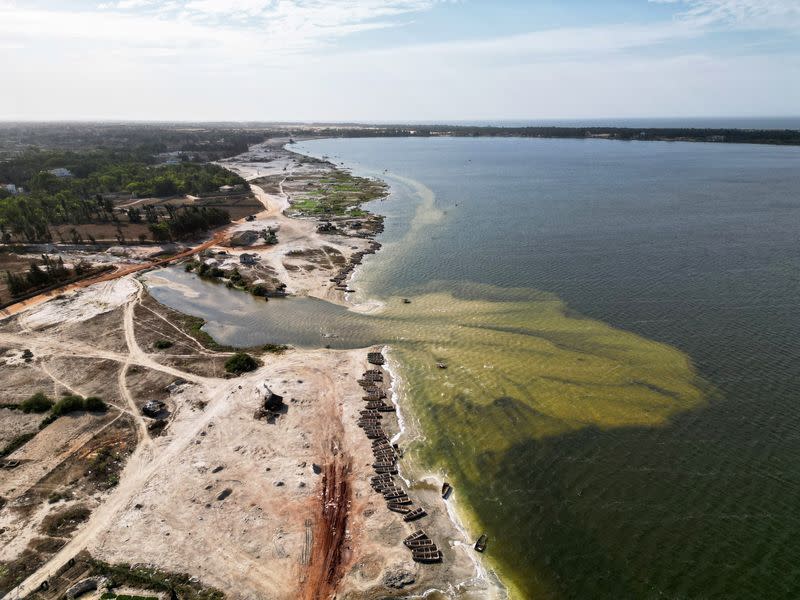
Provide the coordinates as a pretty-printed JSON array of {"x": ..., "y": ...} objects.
[
  {"x": 133, "y": 351},
  {"x": 146, "y": 460},
  {"x": 325, "y": 565}
]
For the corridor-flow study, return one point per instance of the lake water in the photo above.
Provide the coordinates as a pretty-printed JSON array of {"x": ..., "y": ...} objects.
[{"x": 621, "y": 412}]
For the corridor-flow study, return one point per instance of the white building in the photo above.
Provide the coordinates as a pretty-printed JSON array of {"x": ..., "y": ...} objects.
[{"x": 60, "y": 172}]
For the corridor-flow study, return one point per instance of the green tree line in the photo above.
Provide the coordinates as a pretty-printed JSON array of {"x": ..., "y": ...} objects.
[{"x": 52, "y": 200}]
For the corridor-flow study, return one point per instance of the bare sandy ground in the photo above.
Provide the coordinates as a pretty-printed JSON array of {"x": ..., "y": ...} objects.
[{"x": 234, "y": 500}]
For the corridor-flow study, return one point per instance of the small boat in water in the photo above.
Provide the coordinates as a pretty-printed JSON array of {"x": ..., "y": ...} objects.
[
  {"x": 480, "y": 545},
  {"x": 441, "y": 365},
  {"x": 447, "y": 489}
]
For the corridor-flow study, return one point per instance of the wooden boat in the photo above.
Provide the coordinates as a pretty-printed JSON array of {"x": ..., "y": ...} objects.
[
  {"x": 425, "y": 542},
  {"x": 398, "y": 508},
  {"x": 402, "y": 500},
  {"x": 415, "y": 514},
  {"x": 385, "y": 408},
  {"x": 427, "y": 556},
  {"x": 392, "y": 470},
  {"x": 480, "y": 545},
  {"x": 418, "y": 534},
  {"x": 447, "y": 489},
  {"x": 378, "y": 405},
  {"x": 375, "y": 358}
]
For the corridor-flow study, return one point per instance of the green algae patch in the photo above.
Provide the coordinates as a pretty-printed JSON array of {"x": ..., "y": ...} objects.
[
  {"x": 523, "y": 375},
  {"x": 528, "y": 369}
]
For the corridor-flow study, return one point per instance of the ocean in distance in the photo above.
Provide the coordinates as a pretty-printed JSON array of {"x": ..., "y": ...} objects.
[{"x": 621, "y": 413}]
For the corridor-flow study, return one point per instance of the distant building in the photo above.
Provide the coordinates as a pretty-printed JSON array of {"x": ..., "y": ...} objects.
[
  {"x": 10, "y": 187},
  {"x": 60, "y": 172},
  {"x": 226, "y": 188}
]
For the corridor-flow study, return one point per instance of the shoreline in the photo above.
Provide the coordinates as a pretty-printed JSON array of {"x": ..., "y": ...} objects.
[
  {"x": 257, "y": 490},
  {"x": 411, "y": 434}
]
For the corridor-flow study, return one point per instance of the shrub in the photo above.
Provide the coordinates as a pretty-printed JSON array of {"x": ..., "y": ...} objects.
[
  {"x": 94, "y": 404},
  {"x": 275, "y": 348},
  {"x": 67, "y": 404},
  {"x": 162, "y": 344},
  {"x": 38, "y": 403},
  {"x": 241, "y": 362}
]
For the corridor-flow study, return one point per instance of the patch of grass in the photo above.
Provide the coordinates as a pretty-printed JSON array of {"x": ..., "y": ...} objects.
[
  {"x": 155, "y": 580},
  {"x": 64, "y": 522},
  {"x": 339, "y": 195},
  {"x": 15, "y": 571},
  {"x": 275, "y": 348},
  {"x": 17, "y": 442},
  {"x": 58, "y": 496},
  {"x": 105, "y": 467},
  {"x": 241, "y": 362},
  {"x": 162, "y": 344}
]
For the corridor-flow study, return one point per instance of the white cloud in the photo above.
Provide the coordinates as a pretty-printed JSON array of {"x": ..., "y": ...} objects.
[
  {"x": 282, "y": 59},
  {"x": 744, "y": 14}
]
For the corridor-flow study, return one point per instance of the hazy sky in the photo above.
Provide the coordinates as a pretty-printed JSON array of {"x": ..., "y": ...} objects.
[{"x": 395, "y": 60}]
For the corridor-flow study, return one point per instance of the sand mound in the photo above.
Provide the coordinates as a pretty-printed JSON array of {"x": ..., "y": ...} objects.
[{"x": 83, "y": 304}]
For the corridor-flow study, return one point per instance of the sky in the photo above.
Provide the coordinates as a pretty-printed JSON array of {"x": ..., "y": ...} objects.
[{"x": 397, "y": 60}]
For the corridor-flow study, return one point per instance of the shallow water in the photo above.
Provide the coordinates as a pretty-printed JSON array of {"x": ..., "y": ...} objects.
[{"x": 644, "y": 446}]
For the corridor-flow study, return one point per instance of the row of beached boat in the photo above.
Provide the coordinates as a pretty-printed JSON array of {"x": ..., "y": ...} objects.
[
  {"x": 386, "y": 454},
  {"x": 355, "y": 260},
  {"x": 423, "y": 550}
]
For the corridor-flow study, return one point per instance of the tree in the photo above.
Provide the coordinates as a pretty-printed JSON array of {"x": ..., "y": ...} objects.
[
  {"x": 134, "y": 215},
  {"x": 160, "y": 232},
  {"x": 241, "y": 362}
]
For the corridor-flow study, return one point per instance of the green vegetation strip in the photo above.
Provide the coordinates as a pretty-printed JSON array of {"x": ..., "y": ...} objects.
[
  {"x": 155, "y": 580},
  {"x": 339, "y": 195}
]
